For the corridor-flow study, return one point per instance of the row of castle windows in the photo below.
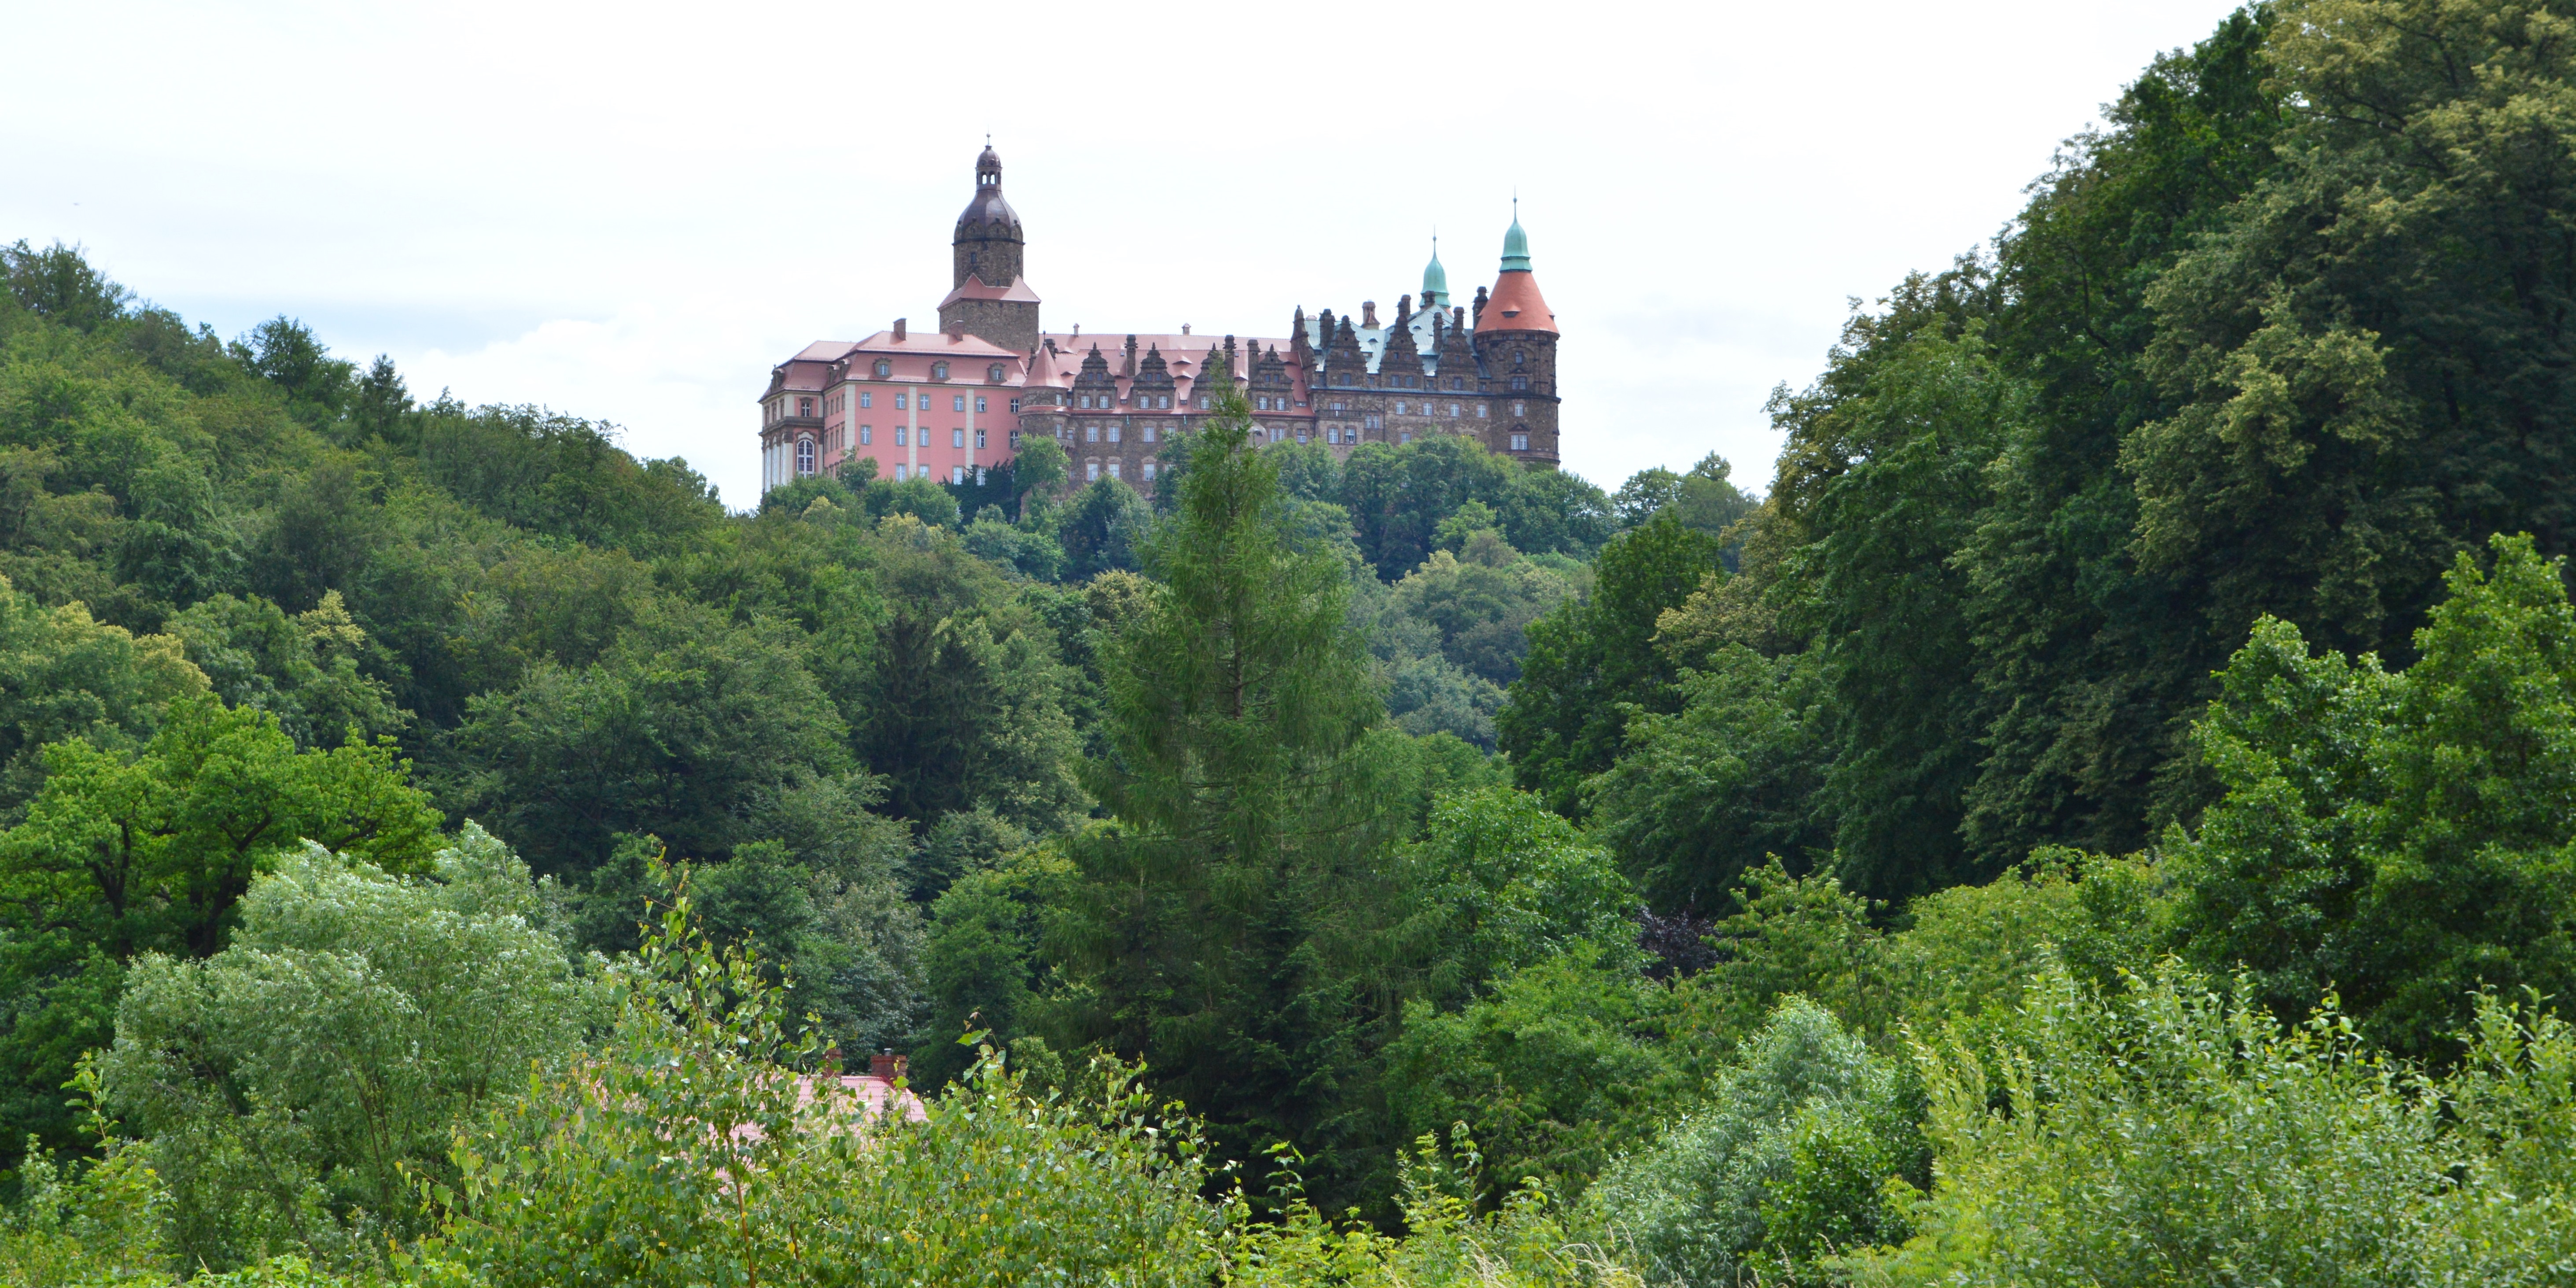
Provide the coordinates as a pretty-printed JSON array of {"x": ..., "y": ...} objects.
[
  {"x": 993, "y": 375},
  {"x": 1091, "y": 470},
  {"x": 956, "y": 437},
  {"x": 956, "y": 402}
]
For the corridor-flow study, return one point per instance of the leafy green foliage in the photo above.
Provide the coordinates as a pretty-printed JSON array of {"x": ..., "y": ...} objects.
[
  {"x": 289, "y": 1088},
  {"x": 2175, "y": 1133},
  {"x": 2398, "y": 838},
  {"x": 1592, "y": 664},
  {"x": 688, "y": 1152},
  {"x": 1784, "y": 1167}
]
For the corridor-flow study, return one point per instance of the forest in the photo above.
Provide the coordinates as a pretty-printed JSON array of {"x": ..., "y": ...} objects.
[{"x": 2104, "y": 813}]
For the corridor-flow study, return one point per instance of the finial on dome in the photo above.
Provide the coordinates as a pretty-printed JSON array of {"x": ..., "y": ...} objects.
[{"x": 1516, "y": 242}]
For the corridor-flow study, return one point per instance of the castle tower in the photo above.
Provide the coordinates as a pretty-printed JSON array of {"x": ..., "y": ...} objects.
[
  {"x": 1516, "y": 345},
  {"x": 991, "y": 299}
]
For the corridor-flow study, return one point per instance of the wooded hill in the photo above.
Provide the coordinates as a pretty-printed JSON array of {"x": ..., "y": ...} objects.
[{"x": 2099, "y": 817}]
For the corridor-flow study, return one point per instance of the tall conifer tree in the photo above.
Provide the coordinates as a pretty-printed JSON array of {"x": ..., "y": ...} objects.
[{"x": 1207, "y": 928}]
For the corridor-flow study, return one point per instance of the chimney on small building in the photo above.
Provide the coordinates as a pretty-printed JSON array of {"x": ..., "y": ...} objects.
[
  {"x": 1368, "y": 313},
  {"x": 886, "y": 1065},
  {"x": 898, "y": 330}
]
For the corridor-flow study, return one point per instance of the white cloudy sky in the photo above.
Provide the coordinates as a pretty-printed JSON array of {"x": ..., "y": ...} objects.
[{"x": 631, "y": 211}]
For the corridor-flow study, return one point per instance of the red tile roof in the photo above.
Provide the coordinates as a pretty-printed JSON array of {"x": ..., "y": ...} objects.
[{"x": 1516, "y": 305}]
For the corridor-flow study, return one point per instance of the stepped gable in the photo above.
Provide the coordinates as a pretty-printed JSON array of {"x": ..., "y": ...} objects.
[
  {"x": 1457, "y": 352},
  {"x": 1344, "y": 363},
  {"x": 1399, "y": 358}
]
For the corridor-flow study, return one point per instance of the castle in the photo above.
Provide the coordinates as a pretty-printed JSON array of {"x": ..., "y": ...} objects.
[{"x": 950, "y": 404}]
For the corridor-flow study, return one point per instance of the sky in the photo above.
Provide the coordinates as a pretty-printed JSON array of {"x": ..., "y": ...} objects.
[{"x": 631, "y": 212}]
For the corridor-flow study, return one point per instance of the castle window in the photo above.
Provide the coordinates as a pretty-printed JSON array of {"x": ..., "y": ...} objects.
[
  {"x": 1519, "y": 383},
  {"x": 804, "y": 456},
  {"x": 1520, "y": 409},
  {"x": 957, "y": 475},
  {"x": 1301, "y": 436},
  {"x": 899, "y": 403},
  {"x": 1520, "y": 442},
  {"x": 1373, "y": 420},
  {"x": 1480, "y": 411},
  {"x": 993, "y": 374},
  {"x": 1457, "y": 382},
  {"x": 884, "y": 369},
  {"x": 1453, "y": 410},
  {"x": 1399, "y": 406},
  {"x": 1149, "y": 471},
  {"x": 1015, "y": 440},
  {"x": 979, "y": 403},
  {"x": 939, "y": 371},
  {"x": 1149, "y": 433},
  {"x": 867, "y": 435},
  {"x": 1015, "y": 409},
  {"x": 867, "y": 399},
  {"x": 804, "y": 406},
  {"x": 1518, "y": 357},
  {"x": 979, "y": 476},
  {"x": 1113, "y": 433},
  {"x": 1113, "y": 469},
  {"x": 1091, "y": 433},
  {"x": 1404, "y": 438},
  {"x": 957, "y": 438},
  {"x": 957, "y": 402},
  {"x": 1165, "y": 402},
  {"x": 1091, "y": 471},
  {"x": 979, "y": 440},
  {"x": 899, "y": 438}
]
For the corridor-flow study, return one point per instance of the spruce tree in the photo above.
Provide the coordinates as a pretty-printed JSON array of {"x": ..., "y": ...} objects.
[{"x": 1206, "y": 928}]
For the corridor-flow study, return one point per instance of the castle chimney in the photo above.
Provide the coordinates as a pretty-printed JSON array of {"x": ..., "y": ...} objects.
[
  {"x": 898, "y": 330},
  {"x": 886, "y": 1065},
  {"x": 1404, "y": 306},
  {"x": 1368, "y": 313},
  {"x": 1185, "y": 328},
  {"x": 957, "y": 330},
  {"x": 1458, "y": 317}
]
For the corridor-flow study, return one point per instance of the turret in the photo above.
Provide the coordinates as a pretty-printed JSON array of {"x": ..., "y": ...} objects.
[
  {"x": 990, "y": 296},
  {"x": 1516, "y": 347}
]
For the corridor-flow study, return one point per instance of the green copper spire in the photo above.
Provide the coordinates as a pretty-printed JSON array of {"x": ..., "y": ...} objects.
[
  {"x": 1435, "y": 279},
  {"x": 1516, "y": 243}
]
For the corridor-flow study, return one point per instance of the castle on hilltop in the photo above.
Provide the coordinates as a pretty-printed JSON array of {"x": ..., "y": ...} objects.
[{"x": 949, "y": 404}]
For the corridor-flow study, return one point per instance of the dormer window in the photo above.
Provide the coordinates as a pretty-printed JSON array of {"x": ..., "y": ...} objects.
[
  {"x": 993, "y": 374},
  {"x": 939, "y": 371},
  {"x": 884, "y": 368}
]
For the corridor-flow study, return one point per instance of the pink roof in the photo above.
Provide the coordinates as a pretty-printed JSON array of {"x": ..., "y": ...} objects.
[
  {"x": 872, "y": 1093},
  {"x": 932, "y": 341},
  {"x": 1017, "y": 292}
]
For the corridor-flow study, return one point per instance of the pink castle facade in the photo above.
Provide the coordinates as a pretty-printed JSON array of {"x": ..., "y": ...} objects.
[{"x": 953, "y": 404}]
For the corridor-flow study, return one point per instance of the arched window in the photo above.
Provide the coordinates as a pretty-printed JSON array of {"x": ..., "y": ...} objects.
[
  {"x": 993, "y": 374},
  {"x": 804, "y": 456},
  {"x": 884, "y": 368}
]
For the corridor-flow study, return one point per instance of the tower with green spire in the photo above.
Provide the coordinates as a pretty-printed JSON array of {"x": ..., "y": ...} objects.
[
  {"x": 1435, "y": 280},
  {"x": 1516, "y": 348}
]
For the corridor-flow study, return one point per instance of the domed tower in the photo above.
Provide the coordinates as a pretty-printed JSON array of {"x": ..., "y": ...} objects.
[
  {"x": 990, "y": 298},
  {"x": 1516, "y": 346},
  {"x": 1435, "y": 282}
]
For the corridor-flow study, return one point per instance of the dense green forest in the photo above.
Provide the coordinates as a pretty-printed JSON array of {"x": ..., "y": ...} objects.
[{"x": 2102, "y": 815}]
